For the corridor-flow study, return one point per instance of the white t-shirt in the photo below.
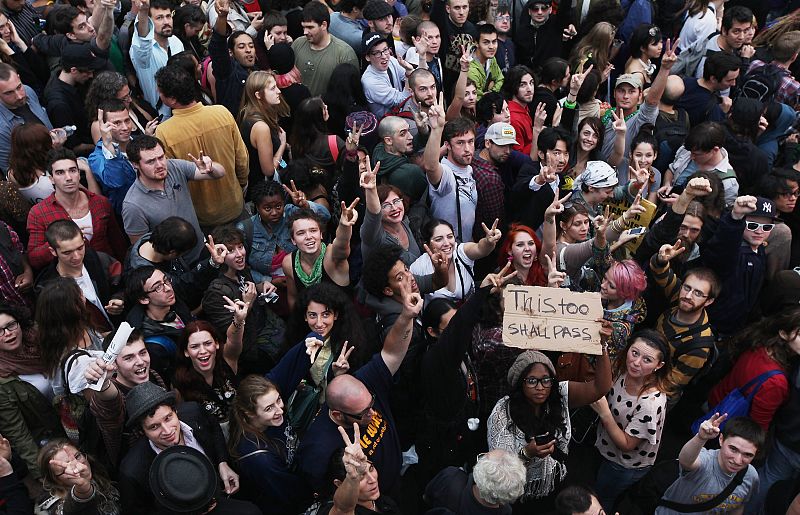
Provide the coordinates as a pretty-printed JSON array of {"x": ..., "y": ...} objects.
[
  {"x": 87, "y": 287},
  {"x": 464, "y": 279},
  {"x": 457, "y": 182},
  {"x": 85, "y": 223}
]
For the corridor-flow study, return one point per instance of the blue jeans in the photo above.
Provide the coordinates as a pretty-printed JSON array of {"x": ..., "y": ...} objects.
[
  {"x": 782, "y": 463},
  {"x": 612, "y": 480}
]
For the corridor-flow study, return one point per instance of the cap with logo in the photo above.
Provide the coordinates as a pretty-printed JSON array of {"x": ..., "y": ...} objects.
[
  {"x": 764, "y": 207},
  {"x": 501, "y": 134},
  {"x": 372, "y": 39}
]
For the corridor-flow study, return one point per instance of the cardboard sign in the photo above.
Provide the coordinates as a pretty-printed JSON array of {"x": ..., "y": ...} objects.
[
  {"x": 552, "y": 319},
  {"x": 642, "y": 220}
]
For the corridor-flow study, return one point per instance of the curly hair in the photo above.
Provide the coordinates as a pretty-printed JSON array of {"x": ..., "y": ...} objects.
[
  {"x": 500, "y": 477},
  {"x": 375, "y": 273},
  {"x": 766, "y": 333},
  {"x": 549, "y": 420},
  {"x": 347, "y": 326},
  {"x": 105, "y": 86}
]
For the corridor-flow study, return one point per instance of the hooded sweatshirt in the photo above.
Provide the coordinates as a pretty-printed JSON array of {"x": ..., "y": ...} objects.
[{"x": 400, "y": 172}]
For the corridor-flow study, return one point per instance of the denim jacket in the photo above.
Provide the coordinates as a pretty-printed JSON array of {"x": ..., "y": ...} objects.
[{"x": 262, "y": 247}]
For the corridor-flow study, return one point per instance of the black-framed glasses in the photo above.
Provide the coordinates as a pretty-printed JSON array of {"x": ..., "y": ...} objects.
[
  {"x": 754, "y": 226},
  {"x": 159, "y": 287},
  {"x": 386, "y": 52},
  {"x": 788, "y": 194},
  {"x": 359, "y": 416},
  {"x": 534, "y": 382},
  {"x": 696, "y": 293},
  {"x": 10, "y": 327}
]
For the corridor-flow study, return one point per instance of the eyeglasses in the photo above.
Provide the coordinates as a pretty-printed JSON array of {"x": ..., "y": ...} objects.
[
  {"x": 381, "y": 53},
  {"x": 696, "y": 293},
  {"x": 504, "y": 17},
  {"x": 795, "y": 194},
  {"x": 361, "y": 415},
  {"x": 754, "y": 226},
  {"x": 10, "y": 327},
  {"x": 390, "y": 205},
  {"x": 159, "y": 287},
  {"x": 534, "y": 382}
]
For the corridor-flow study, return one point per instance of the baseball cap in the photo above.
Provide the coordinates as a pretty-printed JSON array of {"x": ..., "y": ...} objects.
[
  {"x": 764, "y": 207},
  {"x": 376, "y": 9},
  {"x": 629, "y": 78},
  {"x": 501, "y": 134},
  {"x": 80, "y": 55},
  {"x": 371, "y": 39}
]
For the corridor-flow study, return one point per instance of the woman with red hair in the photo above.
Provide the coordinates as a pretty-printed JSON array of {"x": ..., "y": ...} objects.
[
  {"x": 522, "y": 248},
  {"x": 206, "y": 370},
  {"x": 623, "y": 305}
]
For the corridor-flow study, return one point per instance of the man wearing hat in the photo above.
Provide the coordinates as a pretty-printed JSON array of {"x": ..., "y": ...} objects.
[
  {"x": 152, "y": 409},
  {"x": 627, "y": 96},
  {"x": 736, "y": 252},
  {"x": 384, "y": 79},
  {"x": 184, "y": 481},
  {"x": 541, "y": 36},
  {"x": 380, "y": 19},
  {"x": 65, "y": 103},
  {"x": 496, "y": 160}
]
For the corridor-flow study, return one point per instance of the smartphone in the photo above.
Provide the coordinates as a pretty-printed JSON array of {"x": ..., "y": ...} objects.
[
  {"x": 160, "y": 117},
  {"x": 543, "y": 439},
  {"x": 637, "y": 231}
]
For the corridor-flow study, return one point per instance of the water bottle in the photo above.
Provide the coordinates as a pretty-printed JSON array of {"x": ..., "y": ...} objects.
[{"x": 64, "y": 132}]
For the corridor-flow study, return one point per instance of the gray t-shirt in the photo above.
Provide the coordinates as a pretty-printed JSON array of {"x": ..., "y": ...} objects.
[
  {"x": 457, "y": 184},
  {"x": 144, "y": 208},
  {"x": 705, "y": 482},
  {"x": 646, "y": 114}
]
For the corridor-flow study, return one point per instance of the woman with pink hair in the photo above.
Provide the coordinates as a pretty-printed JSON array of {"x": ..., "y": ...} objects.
[{"x": 623, "y": 306}]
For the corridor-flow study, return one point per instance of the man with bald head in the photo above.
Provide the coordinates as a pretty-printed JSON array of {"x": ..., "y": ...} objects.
[
  {"x": 362, "y": 399},
  {"x": 672, "y": 124},
  {"x": 393, "y": 151}
]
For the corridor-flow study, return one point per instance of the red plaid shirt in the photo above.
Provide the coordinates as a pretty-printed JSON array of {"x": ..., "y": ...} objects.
[
  {"x": 789, "y": 91},
  {"x": 491, "y": 195},
  {"x": 107, "y": 236},
  {"x": 9, "y": 292}
]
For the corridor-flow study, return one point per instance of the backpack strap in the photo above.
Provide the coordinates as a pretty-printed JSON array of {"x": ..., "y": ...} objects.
[
  {"x": 162, "y": 341},
  {"x": 710, "y": 504},
  {"x": 69, "y": 361},
  {"x": 697, "y": 344},
  {"x": 333, "y": 147}
]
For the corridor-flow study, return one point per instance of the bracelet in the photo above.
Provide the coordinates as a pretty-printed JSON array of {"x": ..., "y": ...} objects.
[
  {"x": 570, "y": 105},
  {"x": 108, "y": 382},
  {"x": 213, "y": 263},
  {"x": 617, "y": 225},
  {"x": 523, "y": 455},
  {"x": 550, "y": 221},
  {"x": 237, "y": 325},
  {"x": 82, "y": 499}
]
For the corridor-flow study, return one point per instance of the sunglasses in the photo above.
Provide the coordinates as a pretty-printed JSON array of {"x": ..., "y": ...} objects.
[
  {"x": 754, "y": 226},
  {"x": 361, "y": 415}
]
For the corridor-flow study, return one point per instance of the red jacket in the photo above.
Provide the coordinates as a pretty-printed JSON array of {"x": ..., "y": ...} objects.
[
  {"x": 107, "y": 235},
  {"x": 772, "y": 394},
  {"x": 523, "y": 124}
]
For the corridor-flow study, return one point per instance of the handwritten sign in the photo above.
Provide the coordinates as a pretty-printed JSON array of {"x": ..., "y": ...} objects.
[
  {"x": 642, "y": 220},
  {"x": 552, "y": 319}
]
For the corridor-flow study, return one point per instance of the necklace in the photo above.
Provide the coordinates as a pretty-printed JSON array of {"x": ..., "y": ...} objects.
[
  {"x": 649, "y": 67},
  {"x": 316, "y": 271}
]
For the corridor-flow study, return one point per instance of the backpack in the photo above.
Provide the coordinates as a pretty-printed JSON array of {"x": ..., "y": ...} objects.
[
  {"x": 689, "y": 58},
  {"x": 713, "y": 352},
  {"x": 673, "y": 132},
  {"x": 737, "y": 402},
  {"x": 397, "y": 110},
  {"x": 761, "y": 83}
]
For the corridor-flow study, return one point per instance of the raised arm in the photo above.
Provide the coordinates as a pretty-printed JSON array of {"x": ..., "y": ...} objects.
[
  {"x": 235, "y": 335},
  {"x": 454, "y": 110},
  {"x": 103, "y": 20},
  {"x": 398, "y": 338},
  {"x": 549, "y": 226},
  {"x": 430, "y": 159},
  {"x": 143, "y": 19},
  {"x": 620, "y": 129},
  {"x": 486, "y": 245},
  {"x": 340, "y": 248},
  {"x": 367, "y": 183},
  {"x": 668, "y": 59},
  {"x": 356, "y": 466},
  {"x": 581, "y": 394},
  {"x": 690, "y": 452},
  {"x": 206, "y": 168}
]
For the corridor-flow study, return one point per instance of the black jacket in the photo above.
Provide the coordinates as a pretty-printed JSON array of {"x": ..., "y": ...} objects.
[
  {"x": 229, "y": 74},
  {"x": 134, "y": 472}
]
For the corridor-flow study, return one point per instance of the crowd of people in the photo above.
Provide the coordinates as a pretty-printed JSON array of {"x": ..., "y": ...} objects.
[{"x": 253, "y": 256}]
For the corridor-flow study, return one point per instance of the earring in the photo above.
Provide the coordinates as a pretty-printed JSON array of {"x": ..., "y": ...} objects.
[{"x": 510, "y": 257}]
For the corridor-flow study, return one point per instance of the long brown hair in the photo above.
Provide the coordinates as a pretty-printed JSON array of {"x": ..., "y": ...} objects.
[
  {"x": 244, "y": 406},
  {"x": 188, "y": 381},
  {"x": 765, "y": 333},
  {"x": 597, "y": 43},
  {"x": 254, "y": 108},
  {"x": 658, "y": 379},
  {"x": 62, "y": 319},
  {"x": 30, "y": 143},
  {"x": 49, "y": 479}
]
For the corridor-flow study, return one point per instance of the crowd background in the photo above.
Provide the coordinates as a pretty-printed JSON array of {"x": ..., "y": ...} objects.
[{"x": 253, "y": 253}]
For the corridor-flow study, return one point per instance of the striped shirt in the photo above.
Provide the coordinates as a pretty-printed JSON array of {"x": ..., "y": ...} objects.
[
  {"x": 698, "y": 334},
  {"x": 26, "y": 21}
]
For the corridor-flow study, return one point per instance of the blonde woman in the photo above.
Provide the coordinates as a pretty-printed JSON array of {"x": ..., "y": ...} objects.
[
  {"x": 262, "y": 105},
  {"x": 596, "y": 47}
]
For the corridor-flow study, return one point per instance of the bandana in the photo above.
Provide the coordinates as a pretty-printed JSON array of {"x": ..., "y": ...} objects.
[{"x": 598, "y": 174}]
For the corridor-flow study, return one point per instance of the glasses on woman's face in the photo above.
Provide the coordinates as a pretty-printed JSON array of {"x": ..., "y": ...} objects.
[
  {"x": 393, "y": 203},
  {"x": 10, "y": 327},
  {"x": 535, "y": 382}
]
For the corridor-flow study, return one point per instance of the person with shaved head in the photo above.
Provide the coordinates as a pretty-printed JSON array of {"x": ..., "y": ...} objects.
[{"x": 362, "y": 398}]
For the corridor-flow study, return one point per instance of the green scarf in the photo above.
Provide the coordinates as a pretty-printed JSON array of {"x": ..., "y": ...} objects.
[{"x": 316, "y": 272}]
